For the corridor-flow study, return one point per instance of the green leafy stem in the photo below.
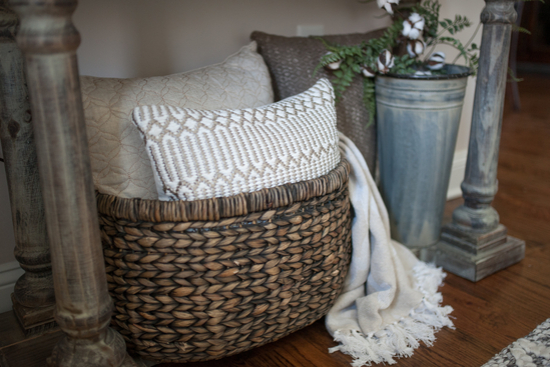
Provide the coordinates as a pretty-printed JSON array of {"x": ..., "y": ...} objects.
[{"x": 355, "y": 57}]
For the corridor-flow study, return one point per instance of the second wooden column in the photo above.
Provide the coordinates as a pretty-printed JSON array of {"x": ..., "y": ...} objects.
[{"x": 475, "y": 244}]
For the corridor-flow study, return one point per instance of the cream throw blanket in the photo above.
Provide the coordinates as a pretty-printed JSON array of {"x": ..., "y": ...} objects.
[{"x": 390, "y": 300}]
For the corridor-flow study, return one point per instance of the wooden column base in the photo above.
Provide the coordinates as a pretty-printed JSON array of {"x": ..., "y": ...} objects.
[
  {"x": 474, "y": 256},
  {"x": 35, "y": 320}
]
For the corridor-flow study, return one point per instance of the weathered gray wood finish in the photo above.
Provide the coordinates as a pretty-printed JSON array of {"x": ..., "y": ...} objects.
[
  {"x": 49, "y": 41},
  {"x": 33, "y": 298},
  {"x": 475, "y": 245}
]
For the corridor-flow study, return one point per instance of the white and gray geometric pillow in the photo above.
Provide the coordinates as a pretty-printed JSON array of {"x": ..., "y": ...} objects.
[
  {"x": 120, "y": 165},
  {"x": 200, "y": 154}
]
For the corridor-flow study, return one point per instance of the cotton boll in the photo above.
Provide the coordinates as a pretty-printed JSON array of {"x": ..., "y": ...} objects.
[
  {"x": 417, "y": 20},
  {"x": 414, "y": 33},
  {"x": 333, "y": 65},
  {"x": 415, "y": 48},
  {"x": 436, "y": 61},
  {"x": 385, "y": 62},
  {"x": 407, "y": 26},
  {"x": 422, "y": 73},
  {"x": 367, "y": 71},
  {"x": 386, "y": 4},
  {"x": 413, "y": 26}
]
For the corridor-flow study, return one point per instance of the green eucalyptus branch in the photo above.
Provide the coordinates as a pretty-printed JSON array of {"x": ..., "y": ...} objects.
[
  {"x": 369, "y": 99},
  {"x": 467, "y": 45},
  {"x": 517, "y": 28},
  {"x": 513, "y": 77}
]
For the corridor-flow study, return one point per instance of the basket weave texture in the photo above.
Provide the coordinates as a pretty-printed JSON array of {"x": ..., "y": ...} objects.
[{"x": 194, "y": 281}]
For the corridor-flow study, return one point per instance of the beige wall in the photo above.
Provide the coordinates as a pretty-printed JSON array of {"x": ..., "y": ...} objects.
[
  {"x": 127, "y": 38},
  {"x": 472, "y": 9},
  {"x": 130, "y": 38}
]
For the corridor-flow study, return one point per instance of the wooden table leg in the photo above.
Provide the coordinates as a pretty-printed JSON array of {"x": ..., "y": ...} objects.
[
  {"x": 33, "y": 297},
  {"x": 475, "y": 244},
  {"x": 49, "y": 41}
]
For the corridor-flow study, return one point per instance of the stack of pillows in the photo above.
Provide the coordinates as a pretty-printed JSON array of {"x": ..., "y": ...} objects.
[
  {"x": 120, "y": 162},
  {"x": 210, "y": 132}
]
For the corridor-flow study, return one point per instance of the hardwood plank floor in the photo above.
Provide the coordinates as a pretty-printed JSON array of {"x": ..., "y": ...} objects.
[{"x": 489, "y": 314}]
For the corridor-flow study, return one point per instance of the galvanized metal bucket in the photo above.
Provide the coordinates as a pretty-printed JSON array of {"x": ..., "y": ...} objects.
[{"x": 418, "y": 119}]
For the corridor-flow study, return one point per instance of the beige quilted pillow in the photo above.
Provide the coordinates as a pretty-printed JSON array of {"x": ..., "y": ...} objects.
[
  {"x": 199, "y": 154},
  {"x": 120, "y": 165}
]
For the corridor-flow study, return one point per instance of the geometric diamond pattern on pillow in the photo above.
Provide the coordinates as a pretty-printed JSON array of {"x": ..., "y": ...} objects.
[
  {"x": 120, "y": 164},
  {"x": 201, "y": 154}
]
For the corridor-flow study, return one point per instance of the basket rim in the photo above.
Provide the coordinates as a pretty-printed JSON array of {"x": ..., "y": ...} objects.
[{"x": 137, "y": 209}]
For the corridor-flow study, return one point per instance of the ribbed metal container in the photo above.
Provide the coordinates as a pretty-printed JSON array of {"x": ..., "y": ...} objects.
[{"x": 418, "y": 119}]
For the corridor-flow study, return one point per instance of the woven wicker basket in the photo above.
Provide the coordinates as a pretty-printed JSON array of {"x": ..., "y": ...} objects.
[{"x": 201, "y": 280}]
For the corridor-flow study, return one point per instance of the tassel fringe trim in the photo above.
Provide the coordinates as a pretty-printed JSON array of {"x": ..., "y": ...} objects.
[{"x": 401, "y": 338}]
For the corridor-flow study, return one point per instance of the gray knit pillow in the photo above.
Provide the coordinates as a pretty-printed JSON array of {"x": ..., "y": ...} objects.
[{"x": 291, "y": 62}]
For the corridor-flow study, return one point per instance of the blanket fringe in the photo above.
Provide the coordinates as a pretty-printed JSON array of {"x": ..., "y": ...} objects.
[{"x": 401, "y": 338}]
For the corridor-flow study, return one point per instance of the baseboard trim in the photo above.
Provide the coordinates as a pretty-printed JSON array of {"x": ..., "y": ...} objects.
[
  {"x": 457, "y": 174},
  {"x": 9, "y": 273}
]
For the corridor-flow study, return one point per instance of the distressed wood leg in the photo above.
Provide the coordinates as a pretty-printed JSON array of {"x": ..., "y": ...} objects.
[
  {"x": 475, "y": 244},
  {"x": 49, "y": 41},
  {"x": 33, "y": 298}
]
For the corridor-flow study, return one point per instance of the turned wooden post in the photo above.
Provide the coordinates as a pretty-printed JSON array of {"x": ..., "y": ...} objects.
[
  {"x": 475, "y": 245},
  {"x": 49, "y": 41},
  {"x": 33, "y": 298}
]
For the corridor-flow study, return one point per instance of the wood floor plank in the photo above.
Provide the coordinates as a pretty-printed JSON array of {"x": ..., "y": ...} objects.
[
  {"x": 16, "y": 350},
  {"x": 10, "y": 331}
]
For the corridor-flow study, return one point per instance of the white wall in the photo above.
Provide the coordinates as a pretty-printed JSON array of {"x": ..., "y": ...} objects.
[{"x": 133, "y": 38}]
